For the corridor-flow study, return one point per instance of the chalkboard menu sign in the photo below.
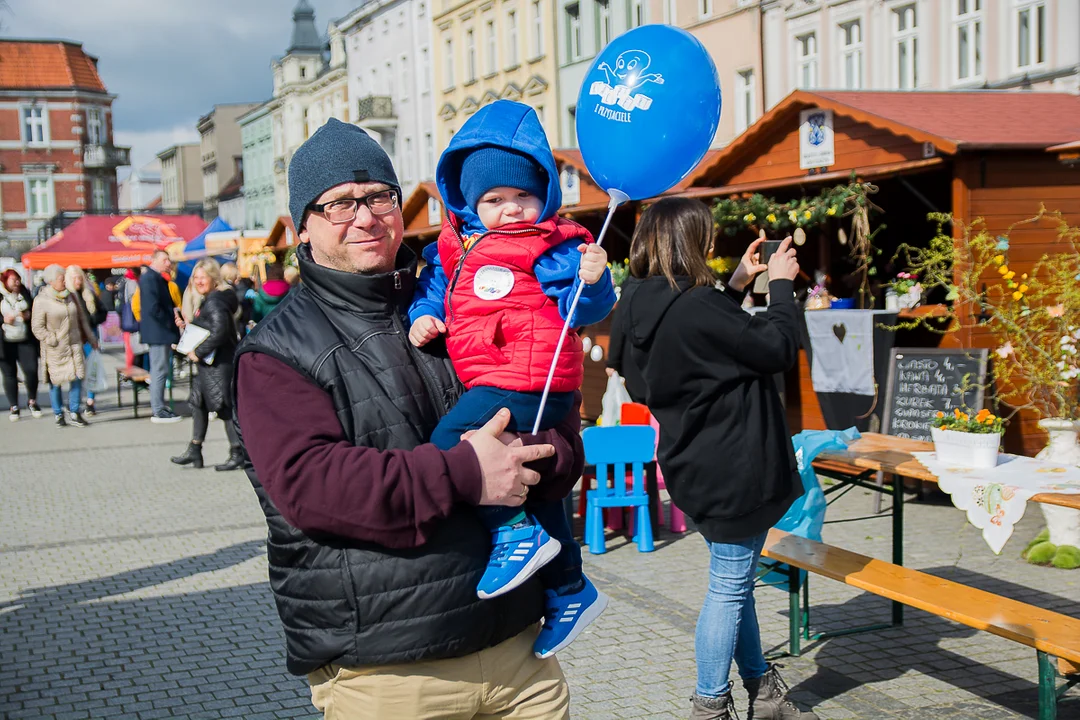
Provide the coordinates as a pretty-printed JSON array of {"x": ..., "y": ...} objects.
[{"x": 924, "y": 381}]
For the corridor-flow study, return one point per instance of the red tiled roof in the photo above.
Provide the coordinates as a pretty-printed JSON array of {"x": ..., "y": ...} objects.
[
  {"x": 974, "y": 119},
  {"x": 47, "y": 64}
]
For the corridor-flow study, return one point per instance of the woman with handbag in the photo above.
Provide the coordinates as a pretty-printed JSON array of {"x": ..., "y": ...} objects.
[
  {"x": 62, "y": 329},
  {"x": 85, "y": 294},
  {"x": 18, "y": 346},
  {"x": 211, "y": 390}
]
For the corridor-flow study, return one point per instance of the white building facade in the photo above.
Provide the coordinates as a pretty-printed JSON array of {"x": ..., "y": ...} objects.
[
  {"x": 390, "y": 78},
  {"x": 257, "y": 137},
  {"x": 921, "y": 44},
  {"x": 309, "y": 88}
]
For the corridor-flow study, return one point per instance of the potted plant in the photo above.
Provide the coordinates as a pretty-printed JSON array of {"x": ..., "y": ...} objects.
[
  {"x": 908, "y": 290},
  {"x": 964, "y": 439}
]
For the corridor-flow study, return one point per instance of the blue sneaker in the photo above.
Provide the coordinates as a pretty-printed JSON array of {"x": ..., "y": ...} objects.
[
  {"x": 566, "y": 616},
  {"x": 518, "y": 553}
]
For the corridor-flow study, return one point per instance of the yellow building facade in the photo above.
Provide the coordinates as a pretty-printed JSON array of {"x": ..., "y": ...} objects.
[{"x": 487, "y": 50}]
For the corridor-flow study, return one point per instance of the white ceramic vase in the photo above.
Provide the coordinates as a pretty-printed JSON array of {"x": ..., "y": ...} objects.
[{"x": 1063, "y": 523}]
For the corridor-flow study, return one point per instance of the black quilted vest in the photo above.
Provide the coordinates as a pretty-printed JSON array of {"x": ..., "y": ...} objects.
[{"x": 355, "y": 603}]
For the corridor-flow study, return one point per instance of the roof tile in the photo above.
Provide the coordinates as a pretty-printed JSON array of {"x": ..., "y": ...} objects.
[{"x": 47, "y": 64}]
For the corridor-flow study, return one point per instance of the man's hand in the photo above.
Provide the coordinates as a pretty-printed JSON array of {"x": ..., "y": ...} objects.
[
  {"x": 748, "y": 267},
  {"x": 9, "y": 319},
  {"x": 593, "y": 263},
  {"x": 783, "y": 265},
  {"x": 425, "y": 329},
  {"x": 504, "y": 478}
]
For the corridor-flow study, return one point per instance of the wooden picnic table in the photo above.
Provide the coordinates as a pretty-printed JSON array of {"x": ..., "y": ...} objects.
[{"x": 874, "y": 451}]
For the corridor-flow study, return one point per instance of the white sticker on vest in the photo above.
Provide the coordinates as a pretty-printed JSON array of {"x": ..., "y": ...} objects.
[{"x": 492, "y": 282}]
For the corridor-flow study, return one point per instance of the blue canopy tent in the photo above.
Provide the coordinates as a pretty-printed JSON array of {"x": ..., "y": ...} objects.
[{"x": 197, "y": 245}]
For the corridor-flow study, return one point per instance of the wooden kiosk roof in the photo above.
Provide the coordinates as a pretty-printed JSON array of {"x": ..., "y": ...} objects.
[{"x": 886, "y": 133}]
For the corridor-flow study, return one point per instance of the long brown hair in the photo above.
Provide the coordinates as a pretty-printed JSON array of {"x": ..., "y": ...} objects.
[{"x": 672, "y": 239}]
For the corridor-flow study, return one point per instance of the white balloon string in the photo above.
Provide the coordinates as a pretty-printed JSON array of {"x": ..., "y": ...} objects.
[{"x": 616, "y": 198}]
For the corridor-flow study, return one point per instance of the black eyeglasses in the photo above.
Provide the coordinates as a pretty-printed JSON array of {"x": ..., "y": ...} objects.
[{"x": 343, "y": 210}]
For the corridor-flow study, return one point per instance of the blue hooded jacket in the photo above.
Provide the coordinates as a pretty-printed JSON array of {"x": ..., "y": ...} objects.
[{"x": 513, "y": 126}]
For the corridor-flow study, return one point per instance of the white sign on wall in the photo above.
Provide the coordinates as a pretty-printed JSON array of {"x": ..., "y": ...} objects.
[{"x": 816, "y": 148}]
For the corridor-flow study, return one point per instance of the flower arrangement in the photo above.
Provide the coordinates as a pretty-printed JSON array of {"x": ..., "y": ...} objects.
[
  {"x": 723, "y": 265},
  {"x": 619, "y": 272},
  {"x": 1033, "y": 317},
  {"x": 905, "y": 283},
  {"x": 983, "y": 422}
]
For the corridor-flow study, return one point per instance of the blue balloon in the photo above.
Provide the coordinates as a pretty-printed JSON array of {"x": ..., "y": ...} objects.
[{"x": 648, "y": 110}]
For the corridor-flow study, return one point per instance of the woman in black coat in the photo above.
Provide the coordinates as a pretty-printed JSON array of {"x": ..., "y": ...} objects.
[
  {"x": 18, "y": 346},
  {"x": 211, "y": 390}
]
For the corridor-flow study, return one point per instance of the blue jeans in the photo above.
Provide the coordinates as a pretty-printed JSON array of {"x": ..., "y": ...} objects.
[
  {"x": 56, "y": 397},
  {"x": 473, "y": 410},
  {"x": 86, "y": 349},
  {"x": 728, "y": 627},
  {"x": 160, "y": 357}
]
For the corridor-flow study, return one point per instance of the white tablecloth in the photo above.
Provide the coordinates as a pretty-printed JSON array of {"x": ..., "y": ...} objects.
[{"x": 996, "y": 498}]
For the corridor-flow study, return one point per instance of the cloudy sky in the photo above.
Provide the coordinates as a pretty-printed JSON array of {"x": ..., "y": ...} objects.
[{"x": 169, "y": 61}]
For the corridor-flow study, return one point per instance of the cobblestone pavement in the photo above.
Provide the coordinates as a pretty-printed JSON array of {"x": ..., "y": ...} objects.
[{"x": 133, "y": 588}]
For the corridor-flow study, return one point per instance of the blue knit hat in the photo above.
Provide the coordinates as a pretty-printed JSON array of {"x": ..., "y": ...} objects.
[
  {"x": 337, "y": 153},
  {"x": 492, "y": 167}
]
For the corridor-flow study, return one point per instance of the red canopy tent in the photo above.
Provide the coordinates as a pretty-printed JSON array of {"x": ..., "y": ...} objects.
[{"x": 115, "y": 241}]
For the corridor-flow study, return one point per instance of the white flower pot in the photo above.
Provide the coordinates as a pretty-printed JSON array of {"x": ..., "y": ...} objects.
[
  {"x": 1063, "y": 523},
  {"x": 978, "y": 450}
]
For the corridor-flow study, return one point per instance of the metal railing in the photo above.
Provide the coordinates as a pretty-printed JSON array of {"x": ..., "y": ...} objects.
[
  {"x": 105, "y": 156},
  {"x": 375, "y": 107}
]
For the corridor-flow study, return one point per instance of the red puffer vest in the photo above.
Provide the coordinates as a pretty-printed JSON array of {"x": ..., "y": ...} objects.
[{"x": 501, "y": 329}]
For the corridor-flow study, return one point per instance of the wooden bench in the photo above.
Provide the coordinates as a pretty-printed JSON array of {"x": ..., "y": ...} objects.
[
  {"x": 139, "y": 379},
  {"x": 1049, "y": 633}
]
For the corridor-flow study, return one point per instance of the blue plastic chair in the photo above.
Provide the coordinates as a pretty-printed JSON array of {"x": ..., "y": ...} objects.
[{"x": 613, "y": 448}]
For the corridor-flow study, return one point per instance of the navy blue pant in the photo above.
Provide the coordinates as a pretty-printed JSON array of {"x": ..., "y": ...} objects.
[{"x": 475, "y": 408}]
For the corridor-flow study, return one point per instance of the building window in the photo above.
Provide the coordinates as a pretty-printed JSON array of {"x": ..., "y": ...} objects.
[
  {"x": 448, "y": 62},
  {"x": 540, "y": 113},
  {"x": 704, "y": 9},
  {"x": 491, "y": 40},
  {"x": 572, "y": 126},
  {"x": 538, "y": 29},
  {"x": 39, "y": 200},
  {"x": 806, "y": 53},
  {"x": 389, "y": 79},
  {"x": 573, "y": 32},
  {"x": 851, "y": 55},
  {"x": 429, "y": 149},
  {"x": 968, "y": 40},
  {"x": 637, "y": 13},
  {"x": 1030, "y": 33},
  {"x": 470, "y": 56},
  {"x": 35, "y": 125},
  {"x": 512, "y": 38},
  {"x": 744, "y": 100},
  {"x": 906, "y": 44},
  {"x": 99, "y": 194},
  {"x": 670, "y": 13},
  {"x": 407, "y": 161},
  {"x": 603, "y": 24},
  {"x": 425, "y": 69},
  {"x": 95, "y": 126},
  {"x": 404, "y": 89}
]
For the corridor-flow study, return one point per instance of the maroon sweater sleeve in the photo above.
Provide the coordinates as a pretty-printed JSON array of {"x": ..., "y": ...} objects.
[{"x": 321, "y": 482}]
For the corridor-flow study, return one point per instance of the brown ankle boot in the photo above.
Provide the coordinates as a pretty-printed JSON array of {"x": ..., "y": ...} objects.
[
  {"x": 706, "y": 708},
  {"x": 768, "y": 698}
]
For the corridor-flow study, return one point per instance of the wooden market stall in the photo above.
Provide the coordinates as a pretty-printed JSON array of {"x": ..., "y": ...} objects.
[{"x": 994, "y": 155}]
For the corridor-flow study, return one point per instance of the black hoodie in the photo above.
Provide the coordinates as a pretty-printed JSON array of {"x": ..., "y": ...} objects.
[{"x": 725, "y": 448}]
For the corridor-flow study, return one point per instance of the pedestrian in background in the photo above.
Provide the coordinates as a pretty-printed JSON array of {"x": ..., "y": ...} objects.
[
  {"x": 211, "y": 390},
  {"x": 85, "y": 294},
  {"x": 18, "y": 346},
  {"x": 158, "y": 329},
  {"x": 725, "y": 448},
  {"x": 273, "y": 291},
  {"x": 62, "y": 329},
  {"x": 125, "y": 307}
]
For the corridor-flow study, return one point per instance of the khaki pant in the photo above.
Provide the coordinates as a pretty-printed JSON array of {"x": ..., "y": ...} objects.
[{"x": 505, "y": 681}]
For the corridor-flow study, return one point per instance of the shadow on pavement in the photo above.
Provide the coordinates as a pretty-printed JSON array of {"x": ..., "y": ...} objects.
[{"x": 218, "y": 653}]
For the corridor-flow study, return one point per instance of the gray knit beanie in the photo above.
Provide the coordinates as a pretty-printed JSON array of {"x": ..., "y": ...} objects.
[{"x": 337, "y": 153}]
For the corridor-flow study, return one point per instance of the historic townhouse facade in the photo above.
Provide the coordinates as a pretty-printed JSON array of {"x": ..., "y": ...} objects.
[
  {"x": 56, "y": 136},
  {"x": 309, "y": 88},
  {"x": 220, "y": 151},
  {"x": 257, "y": 138},
  {"x": 921, "y": 44},
  {"x": 181, "y": 178},
  {"x": 485, "y": 50},
  {"x": 585, "y": 27},
  {"x": 391, "y": 85}
]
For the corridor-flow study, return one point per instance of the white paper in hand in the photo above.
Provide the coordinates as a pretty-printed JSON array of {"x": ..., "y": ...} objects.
[{"x": 191, "y": 339}]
